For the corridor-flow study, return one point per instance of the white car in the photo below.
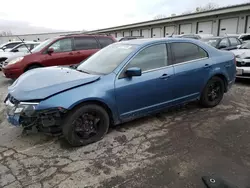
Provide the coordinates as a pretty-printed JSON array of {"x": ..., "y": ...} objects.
[
  {"x": 20, "y": 49},
  {"x": 242, "y": 55},
  {"x": 9, "y": 45},
  {"x": 245, "y": 37}
]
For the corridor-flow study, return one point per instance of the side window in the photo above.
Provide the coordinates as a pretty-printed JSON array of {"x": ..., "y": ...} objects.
[
  {"x": 11, "y": 45},
  {"x": 183, "y": 52},
  {"x": 63, "y": 45},
  {"x": 224, "y": 42},
  {"x": 234, "y": 41},
  {"x": 150, "y": 58},
  {"x": 22, "y": 48},
  {"x": 85, "y": 43},
  {"x": 104, "y": 41}
]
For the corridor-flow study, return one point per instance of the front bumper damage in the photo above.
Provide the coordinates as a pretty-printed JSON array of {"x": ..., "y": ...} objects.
[{"x": 25, "y": 114}]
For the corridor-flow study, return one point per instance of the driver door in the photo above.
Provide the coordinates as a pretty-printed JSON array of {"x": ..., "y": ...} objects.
[{"x": 138, "y": 96}]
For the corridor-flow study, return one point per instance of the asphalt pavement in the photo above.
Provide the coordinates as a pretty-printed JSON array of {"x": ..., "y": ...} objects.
[{"x": 172, "y": 149}]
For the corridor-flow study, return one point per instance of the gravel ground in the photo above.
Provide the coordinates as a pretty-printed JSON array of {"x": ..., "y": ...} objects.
[{"x": 171, "y": 149}]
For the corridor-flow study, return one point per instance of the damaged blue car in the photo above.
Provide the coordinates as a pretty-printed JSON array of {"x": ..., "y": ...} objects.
[{"x": 121, "y": 82}]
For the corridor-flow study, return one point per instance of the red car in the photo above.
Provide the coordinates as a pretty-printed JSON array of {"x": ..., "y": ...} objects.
[{"x": 63, "y": 50}]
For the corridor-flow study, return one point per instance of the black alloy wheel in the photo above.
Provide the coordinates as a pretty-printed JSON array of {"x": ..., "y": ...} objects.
[
  {"x": 86, "y": 124},
  {"x": 213, "y": 92}
]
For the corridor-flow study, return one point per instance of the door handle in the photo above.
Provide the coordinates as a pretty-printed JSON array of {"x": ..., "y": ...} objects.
[
  {"x": 78, "y": 52},
  {"x": 207, "y": 66},
  {"x": 165, "y": 76},
  {"x": 70, "y": 53},
  {"x": 227, "y": 65}
]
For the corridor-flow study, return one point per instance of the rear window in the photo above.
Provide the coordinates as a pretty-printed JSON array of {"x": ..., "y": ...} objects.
[
  {"x": 184, "y": 52},
  {"x": 234, "y": 41},
  {"x": 104, "y": 41},
  {"x": 85, "y": 43}
]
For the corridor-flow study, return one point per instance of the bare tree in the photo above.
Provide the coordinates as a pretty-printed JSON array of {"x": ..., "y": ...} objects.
[
  {"x": 160, "y": 16},
  {"x": 209, "y": 6},
  {"x": 5, "y": 33}
]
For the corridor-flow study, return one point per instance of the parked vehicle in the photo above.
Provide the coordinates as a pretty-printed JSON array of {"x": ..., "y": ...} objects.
[
  {"x": 63, "y": 50},
  {"x": 121, "y": 82},
  {"x": 224, "y": 43},
  {"x": 119, "y": 39},
  {"x": 19, "y": 50},
  {"x": 242, "y": 55},
  {"x": 245, "y": 37},
  {"x": 192, "y": 36},
  {"x": 9, "y": 45}
]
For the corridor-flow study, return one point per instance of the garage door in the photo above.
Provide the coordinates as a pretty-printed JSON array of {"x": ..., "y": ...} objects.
[
  {"x": 119, "y": 34},
  {"x": 126, "y": 33},
  {"x": 146, "y": 33},
  {"x": 136, "y": 33},
  {"x": 156, "y": 32},
  {"x": 185, "y": 28},
  {"x": 169, "y": 30},
  {"x": 112, "y": 34},
  {"x": 228, "y": 26},
  {"x": 205, "y": 27},
  {"x": 248, "y": 24}
]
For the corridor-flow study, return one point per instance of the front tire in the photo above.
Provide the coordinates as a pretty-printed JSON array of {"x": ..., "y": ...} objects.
[
  {"x": 86, "y": 124},
  {"x": 213, "y": 92}
]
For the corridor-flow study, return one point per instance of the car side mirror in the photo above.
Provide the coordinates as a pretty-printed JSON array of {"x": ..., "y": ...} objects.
[
  {"x": 133, "y": 71},
  {"x": 238, "y": 46},
  {"x": 222, "y": 46},
  {"x": 50, "y": 50}
]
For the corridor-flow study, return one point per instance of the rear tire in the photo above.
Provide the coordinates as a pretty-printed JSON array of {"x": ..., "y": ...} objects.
[
  {"x": 212, "y": 93},
  {"x": 86, "y": 124}
]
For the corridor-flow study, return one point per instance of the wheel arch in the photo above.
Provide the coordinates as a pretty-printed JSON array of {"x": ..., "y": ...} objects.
[
  {"x": 32, "y": 64},
  {"x": 224, "y": 78},
  {"x": 97, "y": 102}
]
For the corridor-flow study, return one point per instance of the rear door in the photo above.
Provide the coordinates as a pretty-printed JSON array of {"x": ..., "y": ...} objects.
[
  {"x": 84, "y": 47},
  {"x": 62, "y": 55},
  {"x": 191, "y": 67}
]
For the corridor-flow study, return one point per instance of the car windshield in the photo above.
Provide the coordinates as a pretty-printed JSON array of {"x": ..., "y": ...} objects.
[
  {"x": 42, "y": 45},
  {"x": 211, "y": 41},
  {"x": 107, "y": 59},
  {"x": 245, "y": 46}
]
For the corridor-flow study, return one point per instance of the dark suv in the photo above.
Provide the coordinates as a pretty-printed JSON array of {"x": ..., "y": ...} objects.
[{"x": 63, "y": 50}]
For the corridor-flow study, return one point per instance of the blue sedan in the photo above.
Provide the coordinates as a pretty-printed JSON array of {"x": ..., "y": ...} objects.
[{"x": 121, "y": 82}]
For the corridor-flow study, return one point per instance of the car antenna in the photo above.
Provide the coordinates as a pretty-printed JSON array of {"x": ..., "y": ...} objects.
[{"x": 25, "y": 45}]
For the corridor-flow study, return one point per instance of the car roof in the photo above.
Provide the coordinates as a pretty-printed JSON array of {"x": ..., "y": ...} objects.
[
  {"x": 84, "y": 35},
  {"x": 142, "y": 42}
]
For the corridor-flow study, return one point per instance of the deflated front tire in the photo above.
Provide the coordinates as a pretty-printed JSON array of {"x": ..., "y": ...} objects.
[{"x": 86, "y": 124}]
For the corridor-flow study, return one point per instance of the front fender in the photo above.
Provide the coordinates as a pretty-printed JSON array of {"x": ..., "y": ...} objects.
[{"x": 98, "y": 91}]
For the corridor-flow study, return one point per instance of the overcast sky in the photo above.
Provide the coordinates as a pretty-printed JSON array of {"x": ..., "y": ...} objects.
[{"x": 94, "y": 14}]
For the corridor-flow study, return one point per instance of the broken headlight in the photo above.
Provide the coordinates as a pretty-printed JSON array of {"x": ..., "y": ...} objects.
[{"x": 26, "y": 108}]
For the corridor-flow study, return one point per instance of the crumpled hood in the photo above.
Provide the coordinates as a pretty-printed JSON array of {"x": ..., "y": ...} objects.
[
  {"x": 41, "y": 83},
  {"x": 241, "y": 53}
]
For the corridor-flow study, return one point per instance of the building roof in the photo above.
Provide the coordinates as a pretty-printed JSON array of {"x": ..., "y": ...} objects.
[{"x": 214, "y": 12}]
